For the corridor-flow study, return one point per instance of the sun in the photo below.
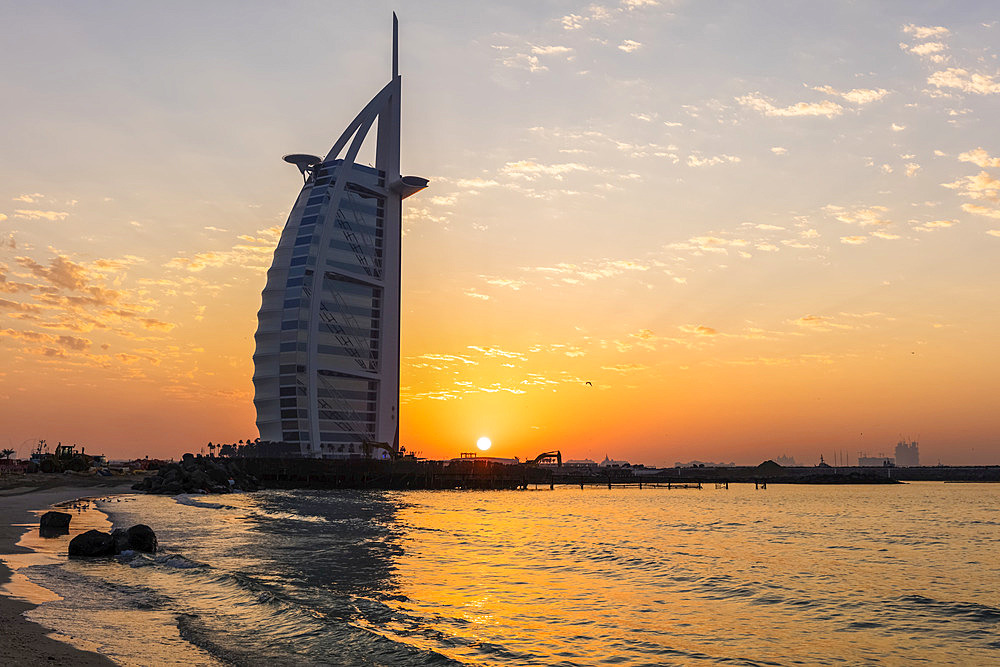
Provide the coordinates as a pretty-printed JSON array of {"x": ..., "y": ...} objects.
[{"x": 484, "y": 443}]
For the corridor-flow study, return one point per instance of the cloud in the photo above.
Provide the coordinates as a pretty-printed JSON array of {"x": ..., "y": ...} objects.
[
  {"x": 936, "y": 224},
  {"x": 854, "y": 240},
  {"x": 17, "y": 306},
  {"x": 497, "y": 352},
  {"x": 765, "y": 106},
  {"x": 980, "y": 186},
  {"x": 859, "y": 96},
  {"x": 65, "y": 342},
  {"x": 524, "y": 61},
  {"x": 927, "y": 48},
  {"x": 993, "y": 232},
  {"x": 819, "y": 323},
  {"x": 254, "y": 253},
  {"x": 778, "y": 150},
  {"x": 551, "y": 50},
  {"x": 912, "y": 168},
  {"x": 476, "y": 183},
  {"x": 573, "y": 274},
  {"x": 699, "y": 329},
  {"x": 897, "y": 128},
  {"x": 625, "y": 368},
  {"x": 531, "y": 170},
  {"x": 54, "y": 216},
  {"x": 955, "y": 77},
  {"x": 923, "y": 32},
  {"x": 629, "y": 45},
  {"x": 504, "y": 282},
  {"x": 61, "y": 271},
  {"x": 872, "y": 215},
  {"x": 596, "y": 13},
  {"x": 29, "y": 198},
  {"x": 699, "y": 161},
  {"x": 976, "y": 209},
  {"x": 980, "y": 158},
  {"x": 155, "y": 325}
]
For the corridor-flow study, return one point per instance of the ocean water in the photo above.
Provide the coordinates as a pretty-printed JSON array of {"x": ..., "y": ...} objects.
[{"x": 789, "y": 575}]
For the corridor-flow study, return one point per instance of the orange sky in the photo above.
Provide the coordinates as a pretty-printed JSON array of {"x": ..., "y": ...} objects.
[{"x": 754, "y": 235}]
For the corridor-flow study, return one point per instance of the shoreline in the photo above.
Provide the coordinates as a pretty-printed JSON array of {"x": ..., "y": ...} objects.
[{"x": 23, "y": 641}]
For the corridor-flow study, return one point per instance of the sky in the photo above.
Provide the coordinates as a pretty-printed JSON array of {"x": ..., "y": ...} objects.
[{"x": 755, "y": 229}]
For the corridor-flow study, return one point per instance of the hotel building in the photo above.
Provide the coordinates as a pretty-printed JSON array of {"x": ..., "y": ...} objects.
[{"x": 326, "y": 364}]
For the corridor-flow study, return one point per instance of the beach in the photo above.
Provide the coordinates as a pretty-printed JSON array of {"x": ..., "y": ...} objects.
[{"x": 22, "y": 641}]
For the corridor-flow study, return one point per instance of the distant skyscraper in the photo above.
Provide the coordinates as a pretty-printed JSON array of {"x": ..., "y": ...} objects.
[
  {"x": 907, "y": 453},
  {"x": 326, "y": 365}
]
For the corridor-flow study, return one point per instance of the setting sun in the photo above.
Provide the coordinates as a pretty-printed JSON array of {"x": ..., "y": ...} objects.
[{"x": 484, "y": 443}]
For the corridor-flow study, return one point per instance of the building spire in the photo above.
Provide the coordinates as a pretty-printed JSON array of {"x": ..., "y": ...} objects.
[{"x": 395, "y": 46}]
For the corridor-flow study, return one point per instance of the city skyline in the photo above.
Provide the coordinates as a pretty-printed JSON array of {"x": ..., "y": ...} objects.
[{"x": 752, "y": 235}]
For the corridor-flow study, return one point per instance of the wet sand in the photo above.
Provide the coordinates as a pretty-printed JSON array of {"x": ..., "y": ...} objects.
[{"x": 23, "y": 642}]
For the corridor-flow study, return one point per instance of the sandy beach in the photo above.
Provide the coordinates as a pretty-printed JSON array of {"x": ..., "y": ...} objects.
[{"x": 23, "y": 642}]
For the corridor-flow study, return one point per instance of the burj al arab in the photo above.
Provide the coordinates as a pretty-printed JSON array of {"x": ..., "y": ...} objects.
[{"x": 326, "y": 363}]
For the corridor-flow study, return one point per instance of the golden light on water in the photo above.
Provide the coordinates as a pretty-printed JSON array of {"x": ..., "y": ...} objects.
[{"x": 484, "y": 443}]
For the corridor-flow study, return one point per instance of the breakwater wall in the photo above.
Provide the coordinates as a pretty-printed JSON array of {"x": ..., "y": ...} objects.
[
  {"x": 483, "y": 474},
  {"x": 399, "y": 474}
]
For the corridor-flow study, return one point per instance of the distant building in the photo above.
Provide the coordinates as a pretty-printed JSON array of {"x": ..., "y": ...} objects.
[
  {"x": 611, "y": 463},
  {"x": 785, "y": 460},
  {"x": 907, "y": 454},
  {"x": 580, "y": 463}
]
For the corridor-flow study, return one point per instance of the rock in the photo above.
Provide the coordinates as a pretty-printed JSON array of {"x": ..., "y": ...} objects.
[
  {"x": 141, "y": 538},
  {"x": 137, "y": 538},
  {"x": 120, "y": 537},
  {"x": 91, "y": 544},
  {"x": 54, "y": 523}
]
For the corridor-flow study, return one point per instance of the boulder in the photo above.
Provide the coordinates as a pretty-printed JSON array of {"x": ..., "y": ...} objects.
[
  {"x": 90, "y": 544},
  {"x": 141, "y": 538},
  {"x": 120, "y": 536},
  {"x": 54, "y": 523}
]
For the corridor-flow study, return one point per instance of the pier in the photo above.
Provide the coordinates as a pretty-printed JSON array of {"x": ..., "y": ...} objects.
[{"x": 472, "y": 473}]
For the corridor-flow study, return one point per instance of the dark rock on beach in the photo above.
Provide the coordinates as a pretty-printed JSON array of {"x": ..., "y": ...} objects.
[
  {"x": 199, "y": 474},
  {"x": 140, "y": 538},
  {"x": 94, "y": 543},
  {"x": 91, "y": 544},
  {"x": 54, "y": 523}
]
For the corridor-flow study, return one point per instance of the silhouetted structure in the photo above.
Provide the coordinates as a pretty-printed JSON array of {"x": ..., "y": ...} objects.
[{"x": 326, "y": 365}]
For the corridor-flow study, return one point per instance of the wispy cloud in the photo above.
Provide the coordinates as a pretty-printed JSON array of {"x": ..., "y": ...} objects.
[
  {"x": 30, "y": 214},
  {"x": 859, "y": 96},
  {"x": 29, "y": 198},
  {"x": 697, "y": 160},
  {"x": 925, "y": 32},
  {"x": 965, "y": 81},
  {"x": 862, "y": 216},
  {"x": 980, "y": 158},
  {"x": 757, "y": 102},
  {"x": 531, "y": 170}
]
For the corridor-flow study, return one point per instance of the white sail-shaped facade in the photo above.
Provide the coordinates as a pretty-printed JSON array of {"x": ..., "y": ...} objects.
[{"x": 326, "y": 364}]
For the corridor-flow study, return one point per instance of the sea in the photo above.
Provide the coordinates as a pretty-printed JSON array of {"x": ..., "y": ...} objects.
[{"x": 787, "y": 575}]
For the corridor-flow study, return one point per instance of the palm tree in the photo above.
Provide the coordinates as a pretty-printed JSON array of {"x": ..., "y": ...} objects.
[{"x": 6, "y": 453}]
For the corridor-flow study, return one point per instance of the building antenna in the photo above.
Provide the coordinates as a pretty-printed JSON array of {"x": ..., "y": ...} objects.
[{"x": 395, "y": 46}]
